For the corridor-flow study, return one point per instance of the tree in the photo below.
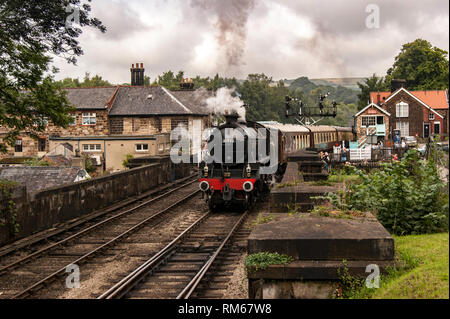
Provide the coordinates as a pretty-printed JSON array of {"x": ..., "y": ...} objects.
[
  {"x": 30, "y": 32},
  {"x": 95, "y": 81},
  {"x": 423, "y": 66},
  {"x": 372, "y": 84}
]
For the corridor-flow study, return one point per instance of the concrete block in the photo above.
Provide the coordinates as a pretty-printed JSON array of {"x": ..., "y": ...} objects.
[{"x": 323, "y": 238}]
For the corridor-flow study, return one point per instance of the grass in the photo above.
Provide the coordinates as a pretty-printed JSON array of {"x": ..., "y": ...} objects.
[
  {"x": 327, "y": 211},
  {"x": 265, "y": 259},
  {"x": 425, "y": 274}
]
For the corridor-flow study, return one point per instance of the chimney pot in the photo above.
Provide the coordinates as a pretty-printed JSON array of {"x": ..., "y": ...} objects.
[
  {"x": 132, "y": 66},
  {"x": 142, "y": 65}
]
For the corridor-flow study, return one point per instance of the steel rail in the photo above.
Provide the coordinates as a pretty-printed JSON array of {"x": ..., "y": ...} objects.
[
  {"x": 98, "y": 249},
  {"x": 192, "y": 285},
  {"x": 120, "y": 289},
  {"x": 89, "y": 229}
]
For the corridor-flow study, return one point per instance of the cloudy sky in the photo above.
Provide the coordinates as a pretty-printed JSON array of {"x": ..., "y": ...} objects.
[{"x": 281, "y": 38}]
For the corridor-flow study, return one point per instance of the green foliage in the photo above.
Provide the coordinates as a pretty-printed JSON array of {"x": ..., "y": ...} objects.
[
  {"x": 328, "y": 211},
  {"x": 36, "y": 162},
  {"x": 348, "y": 284},
  {"x": 30, "y": 33},
  {"x": 422, "y": 270},
  {"x": 8, "y": 210},
  {"x": 265, "y": 102},
  {"x": 423, "y": 66},
  {"x": 308, "y": 92},
  {"x": 95, "y": 81},
  {"x": 262, "y": 219},
  {"x": 372, "y": 84},
  {"x": 408, "y": 197},
  {"x": 265, "y": 259},
  {"x": 127, "y": 160},
  {"x": 89, "y": 166}
]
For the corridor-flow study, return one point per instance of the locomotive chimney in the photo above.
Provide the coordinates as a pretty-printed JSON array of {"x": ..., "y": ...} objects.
[
  {"x": 137, "y": 74},
  {"x": 231, "y": 118}
]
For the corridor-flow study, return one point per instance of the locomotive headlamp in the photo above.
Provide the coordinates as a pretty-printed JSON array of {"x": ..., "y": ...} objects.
[
  {"x": 204, "y": 186},
  {"x": 249, "y": 170},
  {"x": 205, "y": 171},
  {"x": 248, "y": 186}
]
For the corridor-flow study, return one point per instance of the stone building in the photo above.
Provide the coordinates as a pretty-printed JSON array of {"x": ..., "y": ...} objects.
[
  {"x": 414, "y": 113},
  {"x": 110, "y": 123}
]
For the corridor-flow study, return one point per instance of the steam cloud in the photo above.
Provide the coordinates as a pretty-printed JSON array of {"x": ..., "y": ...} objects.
[
  {"x": 232, "y": 17},
  {"x": 224, "y": 103}
]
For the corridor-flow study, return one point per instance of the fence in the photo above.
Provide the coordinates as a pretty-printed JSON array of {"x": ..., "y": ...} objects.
[{"x": 368, "y": 154}]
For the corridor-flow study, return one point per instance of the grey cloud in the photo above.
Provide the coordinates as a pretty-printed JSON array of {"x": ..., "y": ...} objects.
[{"x": 120, "y": 19}]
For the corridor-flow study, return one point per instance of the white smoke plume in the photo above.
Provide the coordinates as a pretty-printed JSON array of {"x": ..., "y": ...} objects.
[{"x": 225, "y": 103}]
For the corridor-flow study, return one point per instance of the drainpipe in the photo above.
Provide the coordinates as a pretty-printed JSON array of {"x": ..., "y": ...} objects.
[{"x": 104, "y": 155}]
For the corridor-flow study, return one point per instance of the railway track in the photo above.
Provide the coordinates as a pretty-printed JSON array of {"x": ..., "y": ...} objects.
[
  {"x": 179, "y": 269},
  {"x": 25, "y": 276}
]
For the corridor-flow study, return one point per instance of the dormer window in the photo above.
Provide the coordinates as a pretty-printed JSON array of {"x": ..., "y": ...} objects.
[
  {"x": 431, "y": 116},
  {"x": 402, "y": 109}
]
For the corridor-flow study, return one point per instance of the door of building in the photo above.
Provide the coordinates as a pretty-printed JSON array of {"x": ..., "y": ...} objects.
[{"x": 426, "y": 130}]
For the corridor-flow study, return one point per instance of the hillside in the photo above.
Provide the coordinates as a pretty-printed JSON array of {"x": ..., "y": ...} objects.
[{"x": 338, "y": 93}]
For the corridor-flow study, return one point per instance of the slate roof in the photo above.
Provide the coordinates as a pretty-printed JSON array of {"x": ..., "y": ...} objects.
[
  {"x": 37, "y": 178},
  {"x": 155, "y": 100},
  {"x": 194, "y": 100},
  {"x": 95, "y": 98}
]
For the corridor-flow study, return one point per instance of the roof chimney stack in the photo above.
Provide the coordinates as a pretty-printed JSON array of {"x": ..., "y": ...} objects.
[
  {"x": 397, "y": 84},
  {"x": 137, "y": 75}
]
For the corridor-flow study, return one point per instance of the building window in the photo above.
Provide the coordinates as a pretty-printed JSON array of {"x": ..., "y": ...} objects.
[
  {"x": 92, "y": 147},
  {"x": 380, "y": 120},
  {"x": 89, "y": 119},
  {"x": 168, "y": 146},
  {"x": 437, "y": 128},
  {"x": 431, "y": 116},
  {"x": 18, "y": 146},
  {"x": 141, "y": 147},
  {"x": 369, "y": 121},
  {"x": 161, "y": 147},
  {"x": 42, "y": 142},
  {"x": 402, "y": 109},
  {"x": 73, "y": 120},
  {"x": 404, "y": 128}
]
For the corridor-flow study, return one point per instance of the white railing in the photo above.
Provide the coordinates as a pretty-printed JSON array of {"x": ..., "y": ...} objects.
[{"x": 361, "y": 154}]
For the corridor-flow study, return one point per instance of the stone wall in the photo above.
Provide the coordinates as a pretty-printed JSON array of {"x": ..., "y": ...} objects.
[
  {"x": 101, "y": 127},
  {"x": 60, "y": 204}
]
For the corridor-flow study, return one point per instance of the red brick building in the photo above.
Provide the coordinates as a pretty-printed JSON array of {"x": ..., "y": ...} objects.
[{"x": 414, "y": 113}]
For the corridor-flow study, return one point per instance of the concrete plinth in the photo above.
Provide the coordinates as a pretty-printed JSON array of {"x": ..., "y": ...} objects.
[
  {"x": 323, "y": 238},
  {"x": 320, "y": 248},
  {"x": 300, "y": 195}
]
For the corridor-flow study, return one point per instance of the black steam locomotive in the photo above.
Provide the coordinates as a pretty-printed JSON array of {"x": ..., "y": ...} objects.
[
  {"x": 234, "y": 177},
  {"x": 231, "y": 171}
]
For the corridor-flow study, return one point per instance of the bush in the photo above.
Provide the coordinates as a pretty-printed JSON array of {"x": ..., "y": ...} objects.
[
  {"x": 127, "y": 160},
  {"x": 408, "y": 197}
]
